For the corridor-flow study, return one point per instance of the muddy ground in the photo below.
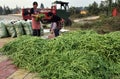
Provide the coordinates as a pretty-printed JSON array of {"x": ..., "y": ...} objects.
[{"x": 10, "y": 17}]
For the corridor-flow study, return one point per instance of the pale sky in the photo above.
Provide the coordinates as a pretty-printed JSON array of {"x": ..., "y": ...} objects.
[{"x": 47, "y": 3}]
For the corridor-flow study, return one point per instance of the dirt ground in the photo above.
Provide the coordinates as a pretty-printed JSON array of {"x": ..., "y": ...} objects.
[
  {"x": 10, "y": 17},
  {"x": 3, "y": 41}
]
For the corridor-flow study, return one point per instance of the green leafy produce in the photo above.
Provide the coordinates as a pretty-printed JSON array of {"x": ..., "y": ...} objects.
[
  {"x": 74, "y": 55},
  {"x": 39, "y": 17}
]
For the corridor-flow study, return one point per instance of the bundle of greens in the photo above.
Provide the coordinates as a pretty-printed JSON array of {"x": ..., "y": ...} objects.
[{"x": 39, "y": 17}]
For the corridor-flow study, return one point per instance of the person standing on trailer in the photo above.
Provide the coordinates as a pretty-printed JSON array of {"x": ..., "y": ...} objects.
[{"x": 35, "y": 24}]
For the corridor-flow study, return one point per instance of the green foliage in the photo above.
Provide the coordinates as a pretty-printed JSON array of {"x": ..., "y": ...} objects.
[
  {"x": 103, "y": 25},
  {"x": 93, "y": 9},
  {"x": 39, "y": 17},
  {"x": 75, "y": 55},
  {"x": 108, "y": 24},
  {"x": 6, "y": 10},
  {"x": 1, "y": 10}
]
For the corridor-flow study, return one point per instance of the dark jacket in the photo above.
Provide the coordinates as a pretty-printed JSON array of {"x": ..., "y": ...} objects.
[{"x": 55, "y": 18}]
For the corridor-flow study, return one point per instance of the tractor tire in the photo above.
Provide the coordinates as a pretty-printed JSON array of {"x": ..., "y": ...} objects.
[
  {"x": 68, "y": 22},
  {"x": 45, "y": 21}
]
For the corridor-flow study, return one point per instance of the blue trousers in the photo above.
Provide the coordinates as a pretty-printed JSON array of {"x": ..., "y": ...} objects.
[
  {"x": 56, "y": 31},
  {"x": 36, "y": 32}
]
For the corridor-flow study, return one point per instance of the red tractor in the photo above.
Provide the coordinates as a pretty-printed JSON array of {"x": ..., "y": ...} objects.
[
  {"x": 62, "y": 12},
  {"x": 26, "y": 13}
]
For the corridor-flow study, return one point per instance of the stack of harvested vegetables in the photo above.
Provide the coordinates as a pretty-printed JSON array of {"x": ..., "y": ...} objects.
[{"x": 75, "y": 55}]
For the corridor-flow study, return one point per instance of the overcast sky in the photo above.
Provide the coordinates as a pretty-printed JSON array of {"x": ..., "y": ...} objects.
[{"x": 47, "y": 3}]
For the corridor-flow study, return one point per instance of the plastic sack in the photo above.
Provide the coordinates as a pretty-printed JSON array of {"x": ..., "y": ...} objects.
[
  {"x": 3, "y": 30},
  {"x": 11, "y": 30},
  {"x": 30, "y": 24},
  {"x": 27, "y": 28},
  {"x": 19, "y": 29},
  {"x": 41, "y": 30}
]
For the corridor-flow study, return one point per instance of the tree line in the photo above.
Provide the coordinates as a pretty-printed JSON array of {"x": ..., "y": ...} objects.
[
  {"x": 6, "y": 10},
  {"x": 105, "y": 7},
  {"x": 93, "y": 9}
]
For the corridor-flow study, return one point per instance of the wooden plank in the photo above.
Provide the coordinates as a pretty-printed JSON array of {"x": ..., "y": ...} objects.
[
  {"x": 6, "y": 72},
  {"x": 3, "y": 58},
  {"x": 19, "y": 74},
  {"x": 5, "y": 63},
  {"x": 31, "y": 76}
]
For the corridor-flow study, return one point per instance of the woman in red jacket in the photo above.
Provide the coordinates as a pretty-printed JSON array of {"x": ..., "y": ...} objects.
[{"x": 35, "y": 24}]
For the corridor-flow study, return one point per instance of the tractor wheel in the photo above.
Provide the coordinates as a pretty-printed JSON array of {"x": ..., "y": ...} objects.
[
  {"x": 68, "y": 22},
  {"x": 45, "y": 21},
  {"x": 25, "y": 19}
]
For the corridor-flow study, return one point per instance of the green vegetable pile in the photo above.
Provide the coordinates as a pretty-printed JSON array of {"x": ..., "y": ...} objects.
[
  {"x": 74, "y": 55},
  {"x": 39, "y": 17}
]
